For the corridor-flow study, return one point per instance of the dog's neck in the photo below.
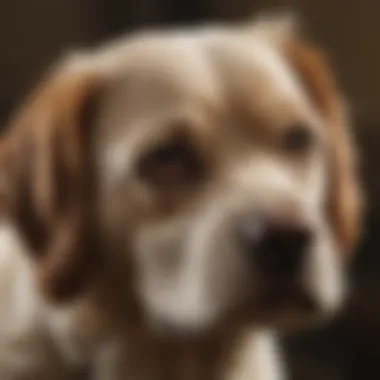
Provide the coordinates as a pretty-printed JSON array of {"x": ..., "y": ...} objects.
[
  {"x": 226, "y": 355},
  {"x": 158, "y": 358}
]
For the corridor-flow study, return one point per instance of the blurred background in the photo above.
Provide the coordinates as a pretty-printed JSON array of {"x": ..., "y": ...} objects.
[{"x": 34, "y": 33}]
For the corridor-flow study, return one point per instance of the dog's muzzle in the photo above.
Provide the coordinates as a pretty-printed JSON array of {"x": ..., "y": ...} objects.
[{"x": 276, "y": 248}]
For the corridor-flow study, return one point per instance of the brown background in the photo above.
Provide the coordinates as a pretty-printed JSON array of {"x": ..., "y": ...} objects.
[{"x": 34, "y": 33}]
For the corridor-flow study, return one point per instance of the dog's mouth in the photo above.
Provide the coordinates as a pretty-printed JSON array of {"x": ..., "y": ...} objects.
[
  {"x": 285, "y": 303},
  {"x": 277, "y": 298}
]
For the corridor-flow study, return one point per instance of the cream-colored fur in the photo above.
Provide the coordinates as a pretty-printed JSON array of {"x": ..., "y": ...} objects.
[{"x": 169, "y": 253}]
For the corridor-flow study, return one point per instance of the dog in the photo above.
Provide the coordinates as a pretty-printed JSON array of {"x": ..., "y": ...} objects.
[{"x": 172, "y": 199}]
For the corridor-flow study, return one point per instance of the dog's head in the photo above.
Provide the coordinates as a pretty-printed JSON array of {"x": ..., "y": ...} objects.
[{"x": 217, "y": 163}]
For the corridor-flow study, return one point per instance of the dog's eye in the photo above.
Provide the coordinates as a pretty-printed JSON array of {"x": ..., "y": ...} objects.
[
  {"x": 173, "y": 163},
  {"x": 297, "y": 140}
]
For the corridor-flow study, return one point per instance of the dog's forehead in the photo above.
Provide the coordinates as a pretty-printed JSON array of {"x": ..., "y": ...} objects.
[
  {"x": 259, "y": 81},
  {"x": 207, "y": 71},
  {"x": 166, "y": 73}
]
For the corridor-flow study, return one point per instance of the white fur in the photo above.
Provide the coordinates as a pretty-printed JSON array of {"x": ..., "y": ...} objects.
[{"x": 255, "y": 358}]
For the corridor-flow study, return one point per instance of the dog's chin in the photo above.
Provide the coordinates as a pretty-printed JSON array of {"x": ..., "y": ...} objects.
[
  {"x": 288, "y": 312},
  {"x": 169, "y": 330},
  {"x": 285, "y": 307},
  {"x": 285, "y": 315}
]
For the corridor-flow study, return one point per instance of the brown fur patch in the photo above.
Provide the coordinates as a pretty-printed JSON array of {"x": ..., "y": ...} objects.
[
  {"x": 48, "y": 183},
  {"x": 345, "y": 204}
]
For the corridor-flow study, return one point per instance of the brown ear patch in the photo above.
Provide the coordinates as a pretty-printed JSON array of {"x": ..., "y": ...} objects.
[
  {"x": 345, "y": 201},
  {"x": 48, "y": 181}
]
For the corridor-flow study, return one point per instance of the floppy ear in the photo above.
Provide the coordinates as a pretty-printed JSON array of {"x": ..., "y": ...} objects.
[
  {"x": 47, "y": 181},
  {"x": 345, "y": 205}
]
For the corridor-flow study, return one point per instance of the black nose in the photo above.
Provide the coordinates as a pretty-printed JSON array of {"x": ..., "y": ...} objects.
[{"x": 274, "y": 247}]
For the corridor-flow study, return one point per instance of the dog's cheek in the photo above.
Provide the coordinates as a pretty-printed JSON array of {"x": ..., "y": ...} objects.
[{"x": 158, "y": 258}]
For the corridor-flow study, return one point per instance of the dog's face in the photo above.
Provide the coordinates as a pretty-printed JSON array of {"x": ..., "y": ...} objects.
[{"x": 223, "y": 174}]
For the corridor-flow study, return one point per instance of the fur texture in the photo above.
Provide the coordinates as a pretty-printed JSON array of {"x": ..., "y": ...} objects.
[{"x": 122, "y": 182}]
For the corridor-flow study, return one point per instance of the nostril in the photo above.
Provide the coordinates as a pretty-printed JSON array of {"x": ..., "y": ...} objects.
[
  {"x": 282, "y": 249},
  {"x": 274, "y": 247}
]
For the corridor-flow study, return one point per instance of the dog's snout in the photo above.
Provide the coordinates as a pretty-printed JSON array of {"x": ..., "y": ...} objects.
[{"x": 275, "y": 247}]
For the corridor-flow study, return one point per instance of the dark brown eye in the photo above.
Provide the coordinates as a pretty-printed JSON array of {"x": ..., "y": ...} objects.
[
  {"x": 297, "y": 140},
  {"x": 173, "y": 163}
]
